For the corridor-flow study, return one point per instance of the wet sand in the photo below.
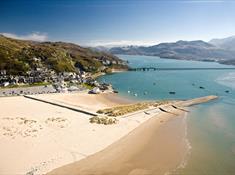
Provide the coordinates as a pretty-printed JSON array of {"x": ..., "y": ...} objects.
[
  {"x": 156, "y": 147},
  {"x": 36, "y": 137}
]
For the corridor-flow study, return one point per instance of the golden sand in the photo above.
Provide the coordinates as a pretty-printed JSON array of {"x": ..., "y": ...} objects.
[{"x": 37, "y": 137}]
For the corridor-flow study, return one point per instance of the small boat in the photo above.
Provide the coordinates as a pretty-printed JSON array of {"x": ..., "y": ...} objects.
[
  {"x": 128, "y": 92},
  {"x": 172, "y": 92},
  {"x": 135, "y": 95},
  {"x": 115, "y": 92},
  {"x": 145, "y": 93},
  {"x": 227, "y": 91},
  {"x": 201, "y": 87}
]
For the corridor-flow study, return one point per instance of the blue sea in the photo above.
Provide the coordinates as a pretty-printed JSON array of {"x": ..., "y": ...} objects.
[{"x": 211, "y": 126}]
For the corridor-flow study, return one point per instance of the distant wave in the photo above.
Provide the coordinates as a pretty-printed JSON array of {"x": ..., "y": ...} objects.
[{"x": 227, "y": 80}]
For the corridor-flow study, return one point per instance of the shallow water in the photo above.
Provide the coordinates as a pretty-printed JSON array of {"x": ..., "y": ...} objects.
[{"x": 211, "y": 126}]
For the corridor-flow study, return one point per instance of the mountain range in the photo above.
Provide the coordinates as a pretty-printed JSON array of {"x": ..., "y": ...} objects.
[
  {"x": 218, "y": 50},
  {"x": 18, "y": 56},
  {"x": 225, "y": 43}
]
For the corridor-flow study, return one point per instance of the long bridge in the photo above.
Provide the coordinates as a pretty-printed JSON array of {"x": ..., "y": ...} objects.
[{"x": 169, "y": 69}]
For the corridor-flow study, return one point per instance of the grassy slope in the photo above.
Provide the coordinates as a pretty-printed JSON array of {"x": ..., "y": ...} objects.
[{"x": 16, "y": 56}]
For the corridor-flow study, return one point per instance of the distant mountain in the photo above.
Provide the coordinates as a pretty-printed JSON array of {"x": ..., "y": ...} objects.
[
  {"x": 100, "y": 48},
  {"x": 225, "y": 43},
  {"x": 182, "y": 50},
  {"x": 18, "y": 57}
]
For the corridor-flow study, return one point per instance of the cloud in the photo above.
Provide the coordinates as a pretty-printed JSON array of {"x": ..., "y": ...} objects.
[
  {"x": 119, "y": 43},
  {"x": 36, "y": 36}
]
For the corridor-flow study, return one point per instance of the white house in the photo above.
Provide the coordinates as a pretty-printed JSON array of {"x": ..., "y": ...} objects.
[
  {"x": 6, "y": 84},
  {"x": 95, "y": 90},
  {"x": 73, "y": 88}
]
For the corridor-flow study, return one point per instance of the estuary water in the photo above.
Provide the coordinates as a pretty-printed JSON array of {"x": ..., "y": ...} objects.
[{"x": 211, "y": 126}]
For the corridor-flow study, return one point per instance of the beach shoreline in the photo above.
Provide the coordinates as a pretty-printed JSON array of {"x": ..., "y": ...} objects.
[
  {"x": 156, "y": 146},
  {"x": 32, "y": 131},
  {"x": 110, "y": 156},
  {"x": 44, "y": 137}
]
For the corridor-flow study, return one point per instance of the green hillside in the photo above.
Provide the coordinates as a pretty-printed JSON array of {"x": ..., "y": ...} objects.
[{"x": 17, "y": 57}]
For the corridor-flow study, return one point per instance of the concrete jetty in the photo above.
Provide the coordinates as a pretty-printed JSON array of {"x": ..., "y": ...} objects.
[{"x": 73, "y": 108}]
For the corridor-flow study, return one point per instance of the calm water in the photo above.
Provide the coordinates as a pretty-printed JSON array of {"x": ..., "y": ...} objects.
[{"x": 211, "y": 126}]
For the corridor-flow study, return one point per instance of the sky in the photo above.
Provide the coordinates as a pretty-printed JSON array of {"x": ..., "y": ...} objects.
[{"x": 117, "y": 22}]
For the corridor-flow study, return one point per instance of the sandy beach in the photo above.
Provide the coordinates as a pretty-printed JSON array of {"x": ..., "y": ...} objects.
[
  {"x": 83, "y": 100},
  {"x": 36, "y": 137},
  {"x": 156, "y": 147}
]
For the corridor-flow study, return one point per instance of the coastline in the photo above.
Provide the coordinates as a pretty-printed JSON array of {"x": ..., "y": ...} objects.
[
  {"x": 173, "y": 58},
  {"x": 153, "y": 147},
  {"x": 159, "y": 145},
  {"x": 99, "y": 74},
  {"x": 45, "y": 137}
]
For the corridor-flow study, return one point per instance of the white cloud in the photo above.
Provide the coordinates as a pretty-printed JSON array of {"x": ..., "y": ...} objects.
[
  {"x": 36, "y": 36},
  {"x": 120, "y": 43}
]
